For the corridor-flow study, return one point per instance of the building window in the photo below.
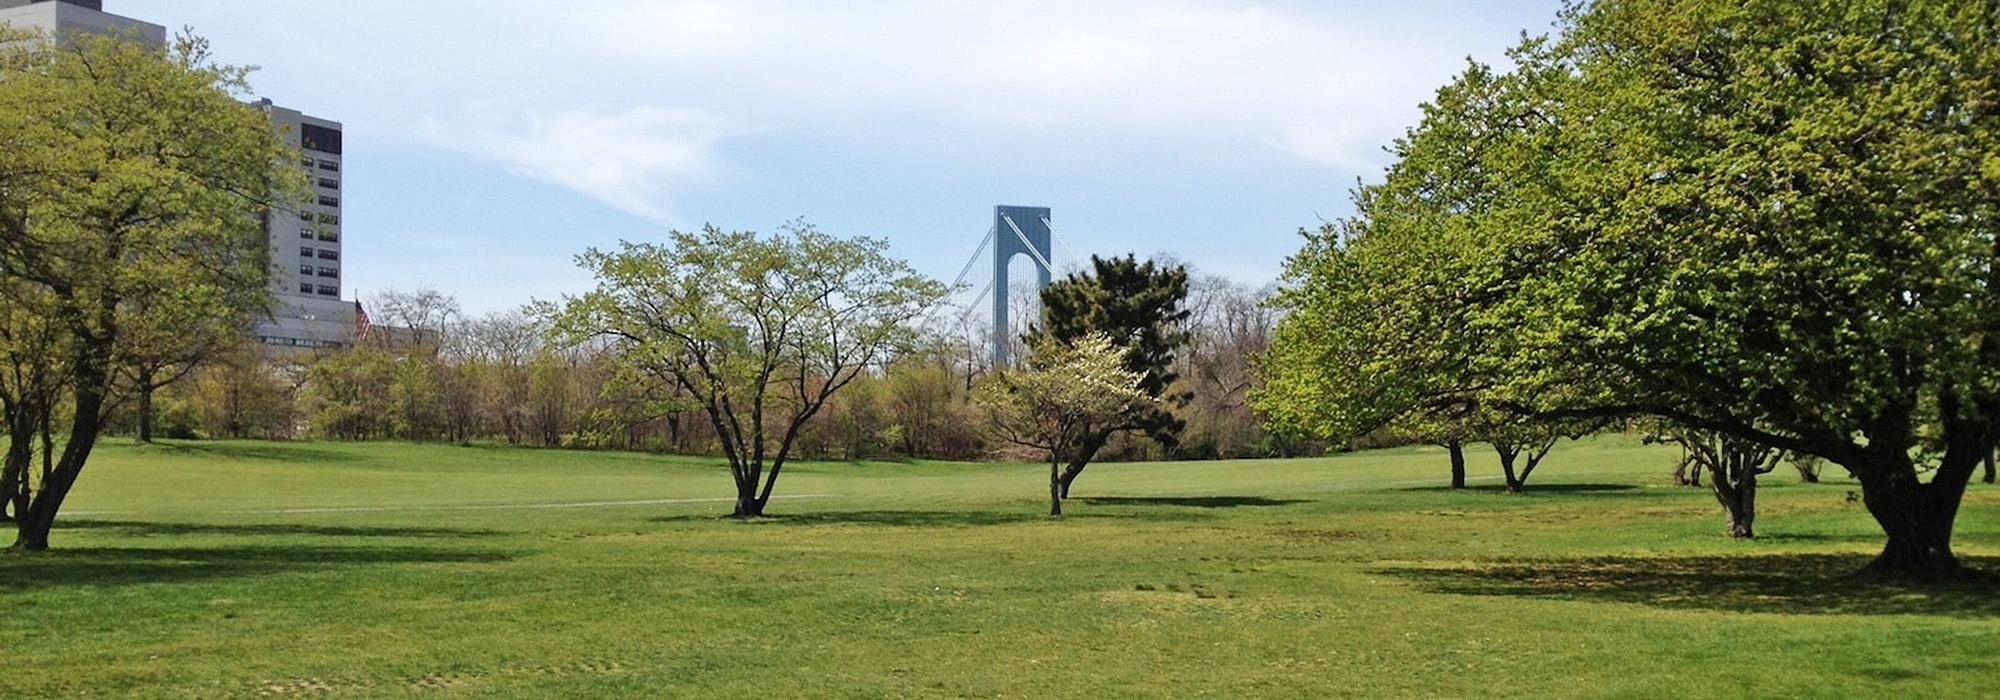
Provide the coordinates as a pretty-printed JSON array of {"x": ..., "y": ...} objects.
[
  {"x": 305, "y": 233},
  {"x": 329, "y": 201},
  {"x": 329, "y": 183},
  {"x": 305, "y": 288},
  {"x": 329, "y": 291},
  {"x": 305, "y": 216},
  {"x": 330, "y": 219},
  {"x": 305, "y": 269},
  {"x": 329, "y": 236},
  {"x": 305, "y": 252},
  {"x": 329, "y": 272},
  {"x": 329, "y": 166},
  {"x": 325, "y": 254},
  {"x": 306, "y": 161},
  {"x": 320, "y": 138}
]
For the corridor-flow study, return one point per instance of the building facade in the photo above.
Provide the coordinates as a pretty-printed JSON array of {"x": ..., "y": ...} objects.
[
  {"x": 305, "y": 245},
  {"x": 58, "y": 17}
]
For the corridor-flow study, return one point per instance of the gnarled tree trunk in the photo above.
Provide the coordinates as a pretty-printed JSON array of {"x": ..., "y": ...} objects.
[
  {"x": 1733, "y": 466},
  {"x": 1918, "y": 519},
  {"x": 1739, "y": 505}
]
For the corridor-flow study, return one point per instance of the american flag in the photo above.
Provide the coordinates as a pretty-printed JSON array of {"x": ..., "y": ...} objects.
[{"x": 360, "y": 321}]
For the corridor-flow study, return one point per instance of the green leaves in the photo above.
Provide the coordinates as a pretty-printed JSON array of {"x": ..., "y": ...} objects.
[
  {"x": 757, "y": 331},
  {"x": 1742, "y": 213},
  {"x": 135, "y": 185},
  {"x": 1141, "y": 309}
]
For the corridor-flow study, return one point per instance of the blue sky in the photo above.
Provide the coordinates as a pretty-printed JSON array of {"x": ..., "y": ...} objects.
[{"x": 489, "y": 142}]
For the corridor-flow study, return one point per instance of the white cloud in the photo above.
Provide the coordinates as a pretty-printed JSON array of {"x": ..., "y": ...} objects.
[
  {"x": 630, "y": 159},
  {"x": 1329, "y": 88},
  {"x": 1319, "y": 84}
]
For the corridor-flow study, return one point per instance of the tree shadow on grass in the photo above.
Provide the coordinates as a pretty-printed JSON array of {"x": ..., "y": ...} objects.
[
  {"x": 144, "y": 528},
  {"x": 1800, "y": 584},
  {"x": 270, "y": 452},
  {"x": 1533, "y": 489},
  {"x": 929, "y": 518},
  {"x": 119, "y": 566},
  {"x": 1190, "y": 501},
  {"x": 1819, "y": 537}
]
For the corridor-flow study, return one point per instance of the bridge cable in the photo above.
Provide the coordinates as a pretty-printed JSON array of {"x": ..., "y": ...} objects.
[{"x": 1030, "y": 246}]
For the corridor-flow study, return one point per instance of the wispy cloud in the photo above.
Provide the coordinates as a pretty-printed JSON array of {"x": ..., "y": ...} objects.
[
  {"x": 1327, "y": 88},
  {"x": 632, "y": 159},
  {"x": 1316, "y": 85}
]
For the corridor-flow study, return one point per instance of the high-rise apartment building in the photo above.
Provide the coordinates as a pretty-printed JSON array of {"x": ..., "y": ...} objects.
[
  {"x": 56, "y": 17},
  {"x": 305, "y": 244}
]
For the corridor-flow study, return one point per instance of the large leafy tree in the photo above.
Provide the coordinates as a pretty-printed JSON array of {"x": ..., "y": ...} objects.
[
  {"x": 131, "y": 179},
  {"x": 757, "y": 331},
  {"x": 1767, "y": 220},
  {"x": 1786, "y": 235},
  {"x": 1140, "y": 308},
  {"x": 1382, "y": 329}
]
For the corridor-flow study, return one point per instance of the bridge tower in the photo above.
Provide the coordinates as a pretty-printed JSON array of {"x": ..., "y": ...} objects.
[{"x": 1017, "y": 231}]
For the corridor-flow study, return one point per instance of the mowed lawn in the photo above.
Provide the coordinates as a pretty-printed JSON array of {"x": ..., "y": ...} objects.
[{"x": 238, "y": 569}]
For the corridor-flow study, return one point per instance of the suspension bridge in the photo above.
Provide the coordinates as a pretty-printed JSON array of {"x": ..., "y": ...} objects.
[{"x": 1016, "y": 232}]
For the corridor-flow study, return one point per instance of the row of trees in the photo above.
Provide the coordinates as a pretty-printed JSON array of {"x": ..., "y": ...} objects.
[
  {"x": 1769, "y": 228},
  {"x": 757, "y": 348},
  {"x": 430, "y": 372}
]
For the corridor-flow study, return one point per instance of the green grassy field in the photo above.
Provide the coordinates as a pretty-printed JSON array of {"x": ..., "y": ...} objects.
[{"x": 241, "y": 569}]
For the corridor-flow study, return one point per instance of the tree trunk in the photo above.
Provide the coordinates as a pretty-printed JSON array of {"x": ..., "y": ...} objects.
[
  {"x": 1457, "y": 450},
  {"x": 14, "y": 480},
  {"x": 748, "y": 506},
  {"x": 1918, "y": 519},
  {"x": 1738, "y": 495},
  {"x": 40, "y": 517},
  {"x": 1068, "y": 477},
  {"x": 1988, "y": 478},
  {"x": 14, "y": 491},
  {"x": 145, "y": 410},
  {"x": 1507, "y": 454},
  {"x": 1056, "y": 487},
  {"x": 1086, "y": 450}
]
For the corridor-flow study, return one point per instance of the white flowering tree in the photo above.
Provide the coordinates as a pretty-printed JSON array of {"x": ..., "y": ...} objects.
[{"x": 1066, "y": 389}]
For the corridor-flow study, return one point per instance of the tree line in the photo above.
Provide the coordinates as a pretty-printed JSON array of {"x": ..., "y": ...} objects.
[{"x": 429, "y": 372}]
